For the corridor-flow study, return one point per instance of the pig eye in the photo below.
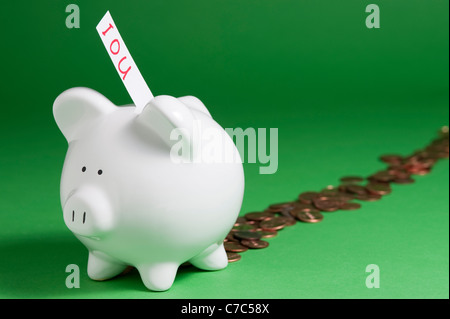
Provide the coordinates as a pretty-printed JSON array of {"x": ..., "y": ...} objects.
[
  {"x": 100, "y": 172},
  {"x": 83, "y": 169}
]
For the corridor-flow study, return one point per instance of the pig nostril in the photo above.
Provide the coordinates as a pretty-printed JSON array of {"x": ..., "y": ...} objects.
[
  {"x": 84, "y": 217},
  {"x": 73, "y": 215}
]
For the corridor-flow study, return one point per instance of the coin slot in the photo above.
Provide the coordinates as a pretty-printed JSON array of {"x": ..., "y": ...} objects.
[{"x": 84, "y": 217}]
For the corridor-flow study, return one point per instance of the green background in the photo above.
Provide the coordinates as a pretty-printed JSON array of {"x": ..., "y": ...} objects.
[{"x": 339, "y": 93}]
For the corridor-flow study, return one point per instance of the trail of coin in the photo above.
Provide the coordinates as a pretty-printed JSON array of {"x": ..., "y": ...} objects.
[{"x": 250, "y": 230}]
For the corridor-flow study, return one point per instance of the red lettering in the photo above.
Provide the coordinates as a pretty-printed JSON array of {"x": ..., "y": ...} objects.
[
  {"x": 123, "y": 72},
  {"x": 109, "y": 28},
  {"x": 118, "y": 47}
]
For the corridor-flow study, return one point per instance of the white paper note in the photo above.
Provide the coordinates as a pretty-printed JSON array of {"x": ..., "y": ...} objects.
[{"x": 124, "y": 63}]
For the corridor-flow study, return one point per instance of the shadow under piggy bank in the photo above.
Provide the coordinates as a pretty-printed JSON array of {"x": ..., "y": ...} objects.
[{"x": 35, "y": 267}]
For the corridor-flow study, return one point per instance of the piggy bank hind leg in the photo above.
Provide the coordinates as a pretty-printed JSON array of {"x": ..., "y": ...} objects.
[
  {"x": 102, "y": 269},
  {"x": 158, "y": 276},
  {"x": 212, "y": 258}
]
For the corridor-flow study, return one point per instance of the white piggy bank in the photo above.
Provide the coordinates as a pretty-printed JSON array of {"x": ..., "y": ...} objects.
[{"x": 129, "y": 202}]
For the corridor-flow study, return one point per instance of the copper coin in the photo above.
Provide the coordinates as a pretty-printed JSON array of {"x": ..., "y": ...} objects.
[
  {"x": 307, "y": 197},
  {"x": 288, "y": 220},
  {"x": 327, "y": 204},
  {"x": 304, "y": 209},
  {"x": 352, "y": 179},
  {"x": 342, "y": 196},
  {"x": 345, "y": 197},
  {"x": 423, "y": 171},
  {"x": 232, "y": 257},
  {"x": 246, "y": 235},
  {"x": 230, "y": 237},
  {"x": 383, "y": 176},
  {"x": 234, "y": 247},
  {"x": 276, "y": 223},
  {"x": 309, "y": 216},
  {"x": 276, "y": 207},
  {"x": 329, "y": 190},
  {"x": 392, "y": 158},
  {"x": 399, "y": 173},
  {"x": 444, "y": 131},
  {"x": 408, "y": 180},
  {"x": 267, "y": 233},
  {"x": 379, "y": 189},
  {"x": 356, "y": 189},
  {"x": 239, "y": 221},
  {"x": 351, "y": 206},
  {"x": 244, "y": 227},
  {"x": 130, "y": 268},
  {"x": 368, "y": 197},
  {"x": 286, "y": 213},
  {"x": 428, "y": 162},
  {"x": 258, "y": 216},
  {"x": 255, "y": 244},
  {"x": 302, "y": 205}
]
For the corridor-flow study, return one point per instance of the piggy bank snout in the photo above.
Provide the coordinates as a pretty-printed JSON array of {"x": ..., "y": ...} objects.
[{"x": 87, "y": 212}]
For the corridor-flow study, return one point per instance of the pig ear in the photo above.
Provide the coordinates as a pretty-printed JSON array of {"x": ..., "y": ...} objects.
[
  {"x": 195, "y": 104},
  {"x": 77, "y": 109},
  {"x": 163, "y": 114}
]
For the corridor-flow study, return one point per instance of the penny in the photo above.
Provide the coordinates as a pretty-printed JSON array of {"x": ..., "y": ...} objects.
[
  {"x": 368, "y": 197},
  {"x": 240, "y": 221},
  {"x": 258, "y": 216},
  {"x": 334, "y": 195},
  {"x": 379, "y": 189},
  {"x": 428, "y": 162},
  {"x": 383, "y": 176},
  {"x": 232, "y": 257},
  {"x": 267, "y": 233},
  {"x": 304, "y": 209},
  {"x": 345, "y": 197},
  {"x": 288, "y": 220},
  {"x": 307, "y": 197},
  {"x": 243, "y": 227},
  {"x": 356, "y": 189},
  {"x": 327, "y": 204},
  {"x": 286, "y": 212},
  {"x": 391, "y": 158},
  {"x": 230, "y": 237},
  {"x": 276, "y": 207},
  {"x": 423, "y": 171},
  {"x": 408, "y": 180},
  {"x": 247, "y": 235},
  {"x": 351, "y": 206},
  {"x": 330, "y": 190},
  {"x": 302, "y": 205},
  {"x": 255, "y": 244},
  {"x": 444, "y": 131},
  {"x": 234, "y": 247},
  {"x": 276, "y": 223},
  {"x": 352, "y": 179},
  {"x": 399, "y": 173},
  {"x": 309, "y": 216}
]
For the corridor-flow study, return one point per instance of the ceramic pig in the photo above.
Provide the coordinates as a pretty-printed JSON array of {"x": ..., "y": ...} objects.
[{"x": 129, "y": 202}]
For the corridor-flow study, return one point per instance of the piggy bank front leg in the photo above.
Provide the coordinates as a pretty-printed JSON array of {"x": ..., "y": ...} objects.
[
  {"x": 158, "y": 276},
  {"x": 100, "y": 268},
  {"x": 212, "y": 258}
]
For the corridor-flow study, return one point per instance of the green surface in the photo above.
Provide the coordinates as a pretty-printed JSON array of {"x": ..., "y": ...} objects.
[{"x": 339, "y": 93}]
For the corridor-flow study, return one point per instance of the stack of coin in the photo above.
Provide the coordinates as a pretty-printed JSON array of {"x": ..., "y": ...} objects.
[{"x": 250, "y": 231}]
